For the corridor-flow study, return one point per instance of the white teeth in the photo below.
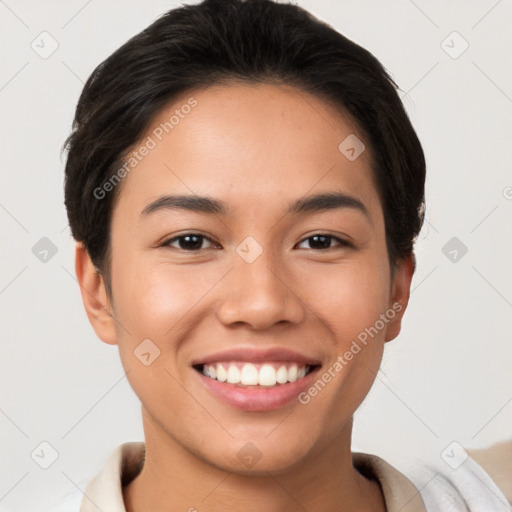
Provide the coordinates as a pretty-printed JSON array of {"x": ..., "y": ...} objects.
[
  {"x": 267, "y": 375},
  {"x": 282, "y": 375},
  {"x": 249, "y": 375},
  {"x": 233, "y": 374},
  {"x": 222, "y": 375},
  {"x": 292, "y": 373}
]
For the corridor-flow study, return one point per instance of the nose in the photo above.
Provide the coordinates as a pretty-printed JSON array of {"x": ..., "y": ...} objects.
[{"x": 260, "y": 294}]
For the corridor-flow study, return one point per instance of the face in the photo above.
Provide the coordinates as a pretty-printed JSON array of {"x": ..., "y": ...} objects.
[{"x": 298, "y": 299}]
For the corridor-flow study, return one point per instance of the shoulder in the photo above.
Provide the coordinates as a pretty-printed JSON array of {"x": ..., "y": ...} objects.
[
  {"x": 104, "y": 489},
  {"x": 469, "y": 481},
  {"x": 476, "y": 481},
  {"x": 496, "y": 460}
]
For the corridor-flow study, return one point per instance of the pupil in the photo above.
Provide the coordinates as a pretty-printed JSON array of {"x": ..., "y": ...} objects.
[
  {"x": 190, "y": 245},
  {"x": 324, "y": 238}
]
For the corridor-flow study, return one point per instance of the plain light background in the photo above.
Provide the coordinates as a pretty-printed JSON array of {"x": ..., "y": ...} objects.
[{"x": 447, "y": 377}]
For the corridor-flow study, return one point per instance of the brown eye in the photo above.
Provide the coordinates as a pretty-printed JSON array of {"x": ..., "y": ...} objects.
[
  {"x": 188, "y": 242},
  {"x": 323, "y": 241}
]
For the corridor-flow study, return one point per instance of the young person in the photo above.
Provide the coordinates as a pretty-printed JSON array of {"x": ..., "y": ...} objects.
[{"x": 245, "y": 189}]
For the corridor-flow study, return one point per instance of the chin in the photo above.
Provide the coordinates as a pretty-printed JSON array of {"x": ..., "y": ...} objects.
[{"x": 258, "y": 457}]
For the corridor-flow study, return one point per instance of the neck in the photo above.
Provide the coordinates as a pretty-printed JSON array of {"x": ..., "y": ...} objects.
[{"x": 172, "y": 475}]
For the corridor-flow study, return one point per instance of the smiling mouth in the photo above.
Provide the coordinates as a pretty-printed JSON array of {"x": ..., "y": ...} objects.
[{"x": 256, "y": 375}]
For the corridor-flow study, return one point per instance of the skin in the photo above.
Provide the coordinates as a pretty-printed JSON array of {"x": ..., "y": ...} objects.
[{"x": 262, "y": 146}]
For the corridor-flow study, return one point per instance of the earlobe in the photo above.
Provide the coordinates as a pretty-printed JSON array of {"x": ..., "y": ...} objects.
[
  {"x": 94, "y": 296},
  {"x": 399, "y": 298}
]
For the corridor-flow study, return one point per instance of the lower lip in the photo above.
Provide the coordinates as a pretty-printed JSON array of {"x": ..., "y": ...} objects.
[{"x": 257, "y": 398}]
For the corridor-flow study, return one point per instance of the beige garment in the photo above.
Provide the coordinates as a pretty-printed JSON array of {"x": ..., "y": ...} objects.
[
  {"x": 497, "y": 462},
  {"x": 104, "y": 491},
  {"x": 399, "y": 492},
  {"x": 443, "y": 489}
]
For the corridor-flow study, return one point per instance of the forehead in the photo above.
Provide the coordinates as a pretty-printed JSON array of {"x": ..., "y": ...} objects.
[{"x": 249, "y": 145}]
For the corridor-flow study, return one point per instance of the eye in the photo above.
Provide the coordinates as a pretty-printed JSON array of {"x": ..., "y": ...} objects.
[
  {"x": 192, "y": 242},
  {"x": 187, "y": 242},
  {"x": 322, "y": 241}
]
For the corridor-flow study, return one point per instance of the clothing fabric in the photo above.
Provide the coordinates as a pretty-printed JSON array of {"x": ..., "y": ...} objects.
[{"x": 427, "y": 488}]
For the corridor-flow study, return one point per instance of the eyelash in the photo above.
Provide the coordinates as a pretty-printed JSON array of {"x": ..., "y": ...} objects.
[{"x": 342, "y": 243}]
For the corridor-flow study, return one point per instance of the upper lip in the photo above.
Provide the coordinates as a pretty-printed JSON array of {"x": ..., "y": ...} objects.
[{"x": 257, "y": 355}]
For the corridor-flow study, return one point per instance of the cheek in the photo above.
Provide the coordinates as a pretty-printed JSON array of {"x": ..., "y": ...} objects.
[
  {"x": 155, "y": 302},
  {"x": 349, "y": 297},
  {"x": 160, "y": 301},
  {"x": 147, "y": 293}
]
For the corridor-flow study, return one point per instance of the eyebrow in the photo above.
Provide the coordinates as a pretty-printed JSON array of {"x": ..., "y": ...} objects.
[{"x": 207, "y": 205}]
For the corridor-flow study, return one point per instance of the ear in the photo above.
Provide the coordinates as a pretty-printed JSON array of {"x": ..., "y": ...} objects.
[
  {"x": 94, "y": 296},
  {"x": 400, "y": 291}
]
